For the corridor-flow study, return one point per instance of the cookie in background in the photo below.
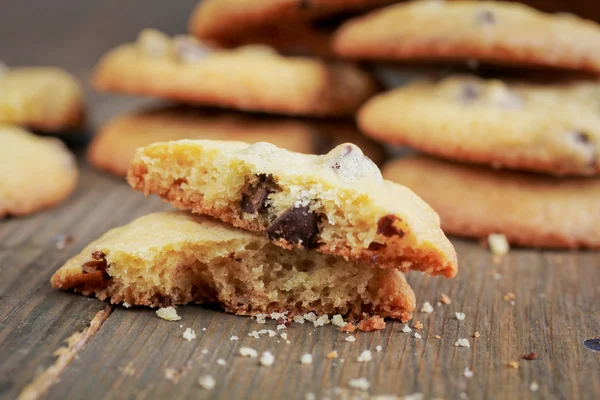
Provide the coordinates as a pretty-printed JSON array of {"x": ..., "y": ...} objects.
[
  {"x": 495, "y": 32},
  {"x": 114, "y": 145},
  {"x": 45, "y": 99},
  {"x": 252, "y": 78},
  {"x": 35, "y": 172},
  {"x": 549, "y": 128},
  {"x": 529, "y": 209}
]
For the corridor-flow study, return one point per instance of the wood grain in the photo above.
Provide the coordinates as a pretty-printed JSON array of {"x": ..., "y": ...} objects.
[{"x": 556, "y": 305}]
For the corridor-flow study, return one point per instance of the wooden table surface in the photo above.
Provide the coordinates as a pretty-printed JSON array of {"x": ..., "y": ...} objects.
[{"x": 125, "y": 352}]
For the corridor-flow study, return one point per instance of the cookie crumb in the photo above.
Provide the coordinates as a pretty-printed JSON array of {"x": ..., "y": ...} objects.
[
  {"x": 444, "y": 298},
  {"x": 204, "y": 351},
  {"x": 278, "y": 315},
  {"x": 306, "y": 359},
  {"x": 283, "y": 335},
  {"x": 126, "y": 304},
  {"x": 529, "y": 356},
  {"x": 221, "y": 361},
  {"x": 534, "y": 387},
  {"x": 348, "y": 328},
  {"x": 261, "y": 318},
  {"x": 350, "y": 339},
  {"x": 510, "y": 296},
  {"x": 310, "y": 317},
  {"x": 189, "y": 334},
  {"x": 234, "y": 338},
  {"x": 267, "y": 359},
  {"x": 128, "y": 369},
  {"x": 248, "y": 352},
  {"x": 310, "y": 396},
  {"x": 299, "y": 319},
  {"x": 172, "y": 374},
  {"x": 338, "y": 321},
  {"x": 62, "y": 240},
  {"x": 418, "y": 325},
  {"x": 379, "y": 348},
  {"x": 332, "y": 354},
  {"x": 417, "y": 335},
  {"x": 427, "y": 308},
  {"x": 281, "y": 326},
  {"x": 321, "y": 321},
  {"x": 365, "y": 356},
  {"x": 406, "y": 329},
  {"x": 437, "y": 337},
  {"x": 468, "y": 373},
  {"x": 359, "y": 383},
  {"x": 476, "y": 334},
  {"x": 462, "y": 343},
  {"x": 460, "y": 316},
  {"x": 498, "y": 244},
  {"x": 372, "y": 324},
  {"x": 207, "y": 382},
  {"x": 168, "y": 313},
  {"x": 513, "y": 364}
]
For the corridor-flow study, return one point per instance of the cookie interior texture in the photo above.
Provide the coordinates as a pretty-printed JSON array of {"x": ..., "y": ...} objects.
[
  {"x": 337, "y": 203},
  {"x": 171, "y": 258},
  {"x": 113, "y": 147},
  {"x": 529, "y": 209}
]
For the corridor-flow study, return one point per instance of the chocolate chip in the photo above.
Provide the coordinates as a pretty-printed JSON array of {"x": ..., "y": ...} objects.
[
  {"x": 529, "y": 356},
  {"x": 255, "y": 197},
  {"x": 297, "y": 225},
  {"x": 486, "y": 17},
  {"x": 582, "y": 137},
  {"x": 376, "y": 246},
  {"x": 584, "y": 141},
  {"x": 98, "y": 263},
  {"x": 386, "y": 227},
  {"x": 469, "y": 92},
  {"x": 592, "y": 344}
]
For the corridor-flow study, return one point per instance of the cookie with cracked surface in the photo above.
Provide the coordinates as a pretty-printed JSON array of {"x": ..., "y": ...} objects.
[
  {"x": 171, "y": 258},
  {"x": 529, "y": 209},
  {"x": 252, "y": 78},
  {"x": 553, "y": 129},
  {"x": 36, "y": 172},
  {"x": 336, "y": 203},
  {"x": 491, "y": 32},
  {"x": 46, "y": 99},
  {"x": 114, "y": 145}
]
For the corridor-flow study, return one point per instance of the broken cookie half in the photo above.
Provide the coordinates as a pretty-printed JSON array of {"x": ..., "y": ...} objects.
[
  {"x": 337, "y": 203},
  {"x": 171, "y": 258}
]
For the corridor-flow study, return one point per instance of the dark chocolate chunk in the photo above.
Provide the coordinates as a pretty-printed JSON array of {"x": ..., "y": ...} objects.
[
  {"x": 385, "y": 226},
  {"x": 592, "y": 344},
  {"x": 255, "y": 197},
  {"x": 529, "y": 356},
  {"x": 486, "y": 17},
  {"x": 584, "y": 140},
  {"x": 469, "y": 93},
  {"x": 98, "y": 263},
  {"x": 581, "y": 137},
  {"x": 297, "y": 225}
]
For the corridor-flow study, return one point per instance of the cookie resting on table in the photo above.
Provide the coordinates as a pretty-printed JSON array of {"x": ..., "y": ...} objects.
[
  {"x": 252, "y": 78},
  {"x": 222, "y": 20},
  {"x": 336, "y": 203},
  {"x": 42, "y": 98},
  {"x": 547, "y": 128},
  {"x": 35, "y": 172},
  {"x": 113, "y": 147},
  {"x": 164, "y": 259},
  {"x": 529, "y": 209},
  {"x": 489, "y": 31}
]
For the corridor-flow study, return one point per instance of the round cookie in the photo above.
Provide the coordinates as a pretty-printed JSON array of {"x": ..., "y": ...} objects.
[
  {"x": 489, "y": 31},
  {"x": 42, "y": 98},
  {"x": 253, "y": 78},
  {"x": 547, "y": 128},
  {"x": 114, "y": 145},
  {"x": 36, "y": 172},
  {"x": 529, "y": 209}
]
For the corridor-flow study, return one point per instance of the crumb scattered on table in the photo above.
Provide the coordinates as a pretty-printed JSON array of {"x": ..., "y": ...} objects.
[
  {"x": 207, "y": 382},
  {"x": 427, "y": 308},
  {"x": 168, "y": 313}
]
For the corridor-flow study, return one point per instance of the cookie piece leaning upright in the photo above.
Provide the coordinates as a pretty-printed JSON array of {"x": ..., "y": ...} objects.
[
  {"x": 164, "y": 259},
  {"x": 546, "y": 128},
  {"x": 529, "y": 209},
  {"x": 489, "y": 31},
  {"x": 336, "y": 203},
  {"x": 42, "y": 98},
  {"x": 253, "y": 78},
  {"x": 35, "y": 172}
]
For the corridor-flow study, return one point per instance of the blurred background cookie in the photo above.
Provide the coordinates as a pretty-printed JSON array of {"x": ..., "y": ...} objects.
[
  {"x": 36, "y": 172},
  {"x": 114, "y": 145}
]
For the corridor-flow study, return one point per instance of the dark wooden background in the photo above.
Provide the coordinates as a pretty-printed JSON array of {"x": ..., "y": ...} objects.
[{"x": 555, "y": 309}]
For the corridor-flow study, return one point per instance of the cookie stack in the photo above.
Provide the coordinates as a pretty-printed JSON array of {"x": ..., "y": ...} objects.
[
  {"x": 37, "y": 172},
  {"x": 270, "y": 89},
  {"x": 547, "y": 134},
  {"x": 293, "y": 233}
]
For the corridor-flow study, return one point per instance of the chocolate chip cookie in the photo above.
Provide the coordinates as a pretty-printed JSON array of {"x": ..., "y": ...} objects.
[
  {"x": 42, "y": 98},
  {"x": 35, "y": 172},
  {"x": 534, "y": 127},
  {"x": 164, "y": 259},
  {"x": 529, "y": 209},
  {"x": 113, "y": 146},
  {"x": 254, "y": 78},
  {"x": 493, "y": 32},
  {"x": 336, "y": 203}
]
